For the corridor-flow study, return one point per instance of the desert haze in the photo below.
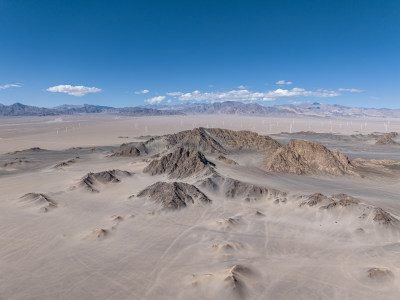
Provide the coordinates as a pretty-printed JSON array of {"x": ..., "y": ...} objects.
[{"x": 101, "y": 206}]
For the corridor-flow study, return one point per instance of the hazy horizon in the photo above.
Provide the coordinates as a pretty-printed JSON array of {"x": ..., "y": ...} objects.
[{"x": 163, "y": 105}]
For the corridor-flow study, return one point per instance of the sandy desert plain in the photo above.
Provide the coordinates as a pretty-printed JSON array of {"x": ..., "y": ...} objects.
[{"x": 184, "y": 210}]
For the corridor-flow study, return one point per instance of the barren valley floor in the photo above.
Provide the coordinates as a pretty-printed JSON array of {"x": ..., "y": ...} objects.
[{"x": 185, "y": 210}]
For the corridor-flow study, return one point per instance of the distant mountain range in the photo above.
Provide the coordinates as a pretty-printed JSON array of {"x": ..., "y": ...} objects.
[
  {"x": 309, "y": 110},
  {"x": 18, "y": 109},
  {"x": 228, "y": 107}
]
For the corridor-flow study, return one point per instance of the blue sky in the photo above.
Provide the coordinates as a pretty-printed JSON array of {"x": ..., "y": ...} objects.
[{"x": 108, "y": 52}]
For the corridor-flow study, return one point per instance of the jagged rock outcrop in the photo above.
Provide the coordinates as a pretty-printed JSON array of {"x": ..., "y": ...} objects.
[
  {"x": 30, "y": 150},
  {"x": 91, "y": 181},
  {"x": 384, "y": 218},
  {"x": 227, "y": 160},
  {"x": 325, "y": 202},
  {"x": 239, "y": 189},
  {"x": 387, "y": 139},
  {"x": 67, "y": 163},
  {"x": 341, "y": 200},
  {"x": 314, "y": 199},
  {"x": 98, "y": 234},
  {"x": 380, "y": 274},
  {"x": 308, "y": 158},
  {"x": 174, "y": 195},
  {"x": 212, "y": 140},
  {"x": 38, "y": 200},
  {"x": 17, "y": 162},
  {"x": 131, "y": 149},
  {"x": 181, "y": 163}
]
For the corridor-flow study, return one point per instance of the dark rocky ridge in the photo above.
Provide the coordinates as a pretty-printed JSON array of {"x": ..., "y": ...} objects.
[
  {"x": 91, "y": 180},
  {"x": 181, "y": 163},
  {"x": 174, "y": 195}
]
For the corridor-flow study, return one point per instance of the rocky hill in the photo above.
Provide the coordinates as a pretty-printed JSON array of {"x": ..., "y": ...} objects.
[
  {"x": 91, "y": 181},
  {"x": 233, "y": 188},
  {"x": 213, "y": 140},
  {"x": 308, "y": 158},
  {"x": 182, "y": 163},
  {"x": 174, "y": 195},
  {"x": 387, "y": 139},
  {"x": 244, "y": 140},
  {"x": 366, "y": 214}
]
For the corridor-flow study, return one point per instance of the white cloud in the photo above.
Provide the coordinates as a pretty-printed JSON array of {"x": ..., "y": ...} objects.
[
  {"x": 295, "y": 102},
  {"x": 242, "y": 87},
  {"x": 351, "y": 90},
  {"x": 77, "y": 90},
  {"x": 246, "y": 95},
  {"x": 155, "y": 100},
  {"x": 174, "y": 93},
  {"x": 6, "y": 86},
  {"x": 284, "y": 82},
  {"x": 142, "y": 92}
]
